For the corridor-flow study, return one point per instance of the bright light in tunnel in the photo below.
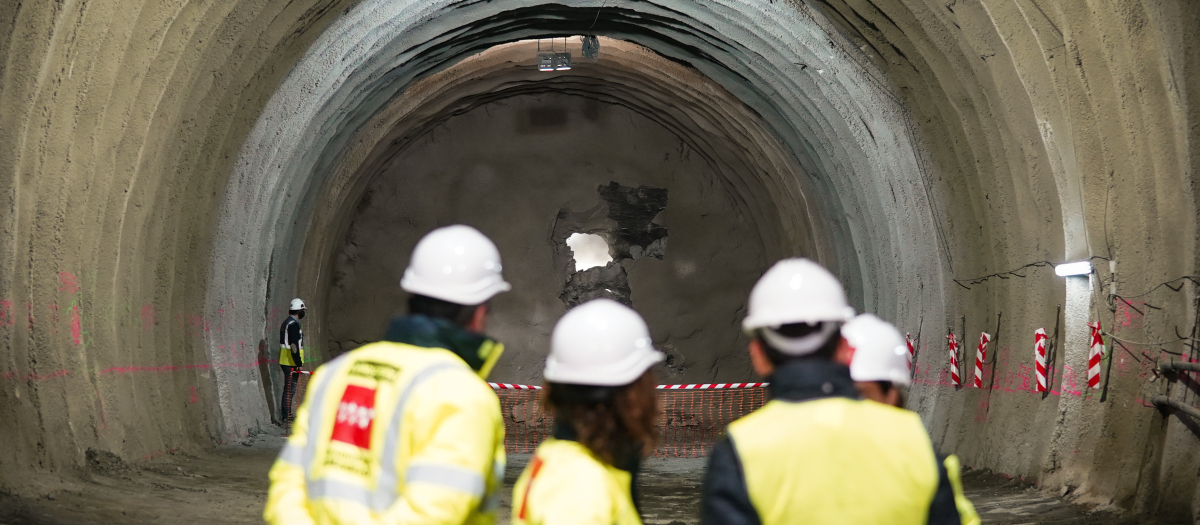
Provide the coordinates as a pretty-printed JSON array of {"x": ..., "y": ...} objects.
[
  {"x": 1075, "y": 268},
  {"x": 589, "y": 250}
]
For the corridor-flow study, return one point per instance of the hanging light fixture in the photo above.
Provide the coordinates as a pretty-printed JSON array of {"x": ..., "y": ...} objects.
[
  {"x": 545, "y": 60},
  {"x": 553, "y": 60},
  {"x": 564, "y": 58}
]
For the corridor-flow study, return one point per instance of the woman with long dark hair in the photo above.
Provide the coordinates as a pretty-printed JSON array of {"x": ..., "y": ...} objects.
[{"x": 600, "y": 390}]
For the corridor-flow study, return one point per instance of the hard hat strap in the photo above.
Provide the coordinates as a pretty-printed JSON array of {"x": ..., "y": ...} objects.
[{"x": 798, "y": 346}]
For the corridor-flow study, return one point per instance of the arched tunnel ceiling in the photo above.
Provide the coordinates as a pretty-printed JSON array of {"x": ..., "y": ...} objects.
[
  {"x": 941, "y": 145},
  {"x": 717, "y": 126},
  {"x": 754, "y": 171}
]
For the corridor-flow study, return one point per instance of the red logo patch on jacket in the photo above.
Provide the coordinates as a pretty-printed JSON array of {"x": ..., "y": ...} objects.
[{"x": 356, "y": 413}]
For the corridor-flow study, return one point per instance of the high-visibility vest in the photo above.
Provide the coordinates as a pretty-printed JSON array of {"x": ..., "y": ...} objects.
[
  {"x": 395, "y": 432},
  {"x": 285, "y": 345},
  {"x": 836, "y": 461},
  {"x": 565, "y": 483}
]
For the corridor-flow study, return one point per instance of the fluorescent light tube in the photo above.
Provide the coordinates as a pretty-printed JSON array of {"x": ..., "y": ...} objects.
[{"x": 1075, "y": 268}]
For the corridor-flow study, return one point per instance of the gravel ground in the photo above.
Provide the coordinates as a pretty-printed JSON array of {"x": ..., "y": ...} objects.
[{"x": 228, "y": 485}]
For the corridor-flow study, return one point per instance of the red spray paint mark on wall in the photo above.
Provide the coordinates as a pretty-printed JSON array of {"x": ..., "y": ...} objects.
[
  {"x": 149, "y": 317},
  {"x": 9, "y": 375},
  {"x": 76, "y": 325},
  {"x": 6, "y": 313},
  {"x": 67, "y": 282},
  {"x": 193, "y": 396},
  {"x": 1129, "y": 314},
  {"x": 981, "y": 411}
]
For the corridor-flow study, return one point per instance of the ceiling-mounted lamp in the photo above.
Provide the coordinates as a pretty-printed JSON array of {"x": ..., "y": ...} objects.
[
  {"x": 562, "y": 61},
  {"x": 552, "y": 60},
  {"x": 546, "y": 61}
]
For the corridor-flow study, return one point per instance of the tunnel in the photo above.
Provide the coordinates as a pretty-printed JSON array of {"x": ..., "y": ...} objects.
[{"x": 175, "y": 172}]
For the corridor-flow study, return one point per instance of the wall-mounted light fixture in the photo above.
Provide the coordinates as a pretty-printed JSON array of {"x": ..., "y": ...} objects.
[{"x": 1075, "y": 268}]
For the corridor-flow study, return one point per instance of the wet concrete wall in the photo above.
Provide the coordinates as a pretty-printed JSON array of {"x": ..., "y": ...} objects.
[{"x": 173, "y": 172}]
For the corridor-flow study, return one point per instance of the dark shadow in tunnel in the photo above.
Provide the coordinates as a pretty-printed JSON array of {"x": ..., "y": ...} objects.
[{"x": 264, "y": 371}]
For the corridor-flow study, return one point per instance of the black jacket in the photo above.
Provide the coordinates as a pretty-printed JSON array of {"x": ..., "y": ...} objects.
[{"x": 726, "y": 498}]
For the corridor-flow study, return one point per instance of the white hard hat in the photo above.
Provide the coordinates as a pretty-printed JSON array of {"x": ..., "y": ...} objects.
[
  {"x": 796, "y": 291},
  {"x": 297, "y": 304},
  {"x": 601, "y": 343},
  {"x": 880, "y": 352},
  {"x": 456, "y": 264}
]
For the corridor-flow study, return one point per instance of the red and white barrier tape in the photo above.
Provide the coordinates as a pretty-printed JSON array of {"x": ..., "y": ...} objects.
[
  {"x": 953, "y": 342},
  {"x": 711, "y": 386},
  {"x": 980, "y": 357},
  {"x": 510, "y": 386},
  {"x": 1094, "y": 355},
  {"x": 1039, "y": 356},
  {"x": 705, "y": 386}
]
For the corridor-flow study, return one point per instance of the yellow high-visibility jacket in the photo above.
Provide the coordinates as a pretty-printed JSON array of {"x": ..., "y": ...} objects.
[
  {"x": 836, "y": 460},
  {"x": 565, "y": 483},
  {"x": 285, "y": 344},
  {"x": 392, "y": 433},
  {"x": 818, "y": 455}
]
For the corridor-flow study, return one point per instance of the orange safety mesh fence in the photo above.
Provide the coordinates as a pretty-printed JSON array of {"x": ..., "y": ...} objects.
[
  {"x": 691, "y": 420},
  {"x": 692, "y": 417}
]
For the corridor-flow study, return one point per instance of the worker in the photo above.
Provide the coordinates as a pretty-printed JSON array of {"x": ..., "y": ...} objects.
[
  {"x": 816, "y": 453},
  {"x": 291, "y": 354},
  {"x": 406, "y": 430},
  {"x": 878, "y": 357},
  {"x": 600, "y": 390}
]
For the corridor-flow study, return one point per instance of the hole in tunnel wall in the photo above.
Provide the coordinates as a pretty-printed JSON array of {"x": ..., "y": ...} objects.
[
  {"x": 623, "y": 222},
  {"x": 606, "y": 172},
  {"x": 588, "y": 250}
]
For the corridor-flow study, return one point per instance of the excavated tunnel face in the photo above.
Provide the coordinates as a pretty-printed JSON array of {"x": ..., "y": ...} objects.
[
  {"x": 638, "y": 151},
  {"x": 777, "y": 142},
  {"x": 176, "y": 172}
]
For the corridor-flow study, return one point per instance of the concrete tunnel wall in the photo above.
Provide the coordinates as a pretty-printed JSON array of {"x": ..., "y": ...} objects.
[{"x": 164, "y": 164}]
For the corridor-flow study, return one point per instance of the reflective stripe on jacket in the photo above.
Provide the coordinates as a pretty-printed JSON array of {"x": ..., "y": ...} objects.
[
  {"x": 565, "y": 483},
  {"x": 392, "y": 433},
  {"x": 836, "y": 460}
]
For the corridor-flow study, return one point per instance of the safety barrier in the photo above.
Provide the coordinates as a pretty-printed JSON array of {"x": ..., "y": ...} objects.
[{"x": 692, "y": 417}]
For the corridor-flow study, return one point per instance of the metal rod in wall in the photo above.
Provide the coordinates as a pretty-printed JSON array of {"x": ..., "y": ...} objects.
[
  {"x": 1175, "y": 366},
  {"x": 1164, "y": 401}
]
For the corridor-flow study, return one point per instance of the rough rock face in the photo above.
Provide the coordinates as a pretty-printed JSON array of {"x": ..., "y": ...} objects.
[
  {"x": 609, "y": 282},
  {"x": 630, "y": 234},
  {"x": 633, "y": 209}
]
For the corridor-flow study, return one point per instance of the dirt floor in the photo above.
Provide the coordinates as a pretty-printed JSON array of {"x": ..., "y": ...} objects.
[{"x": 228, "y": 485}]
